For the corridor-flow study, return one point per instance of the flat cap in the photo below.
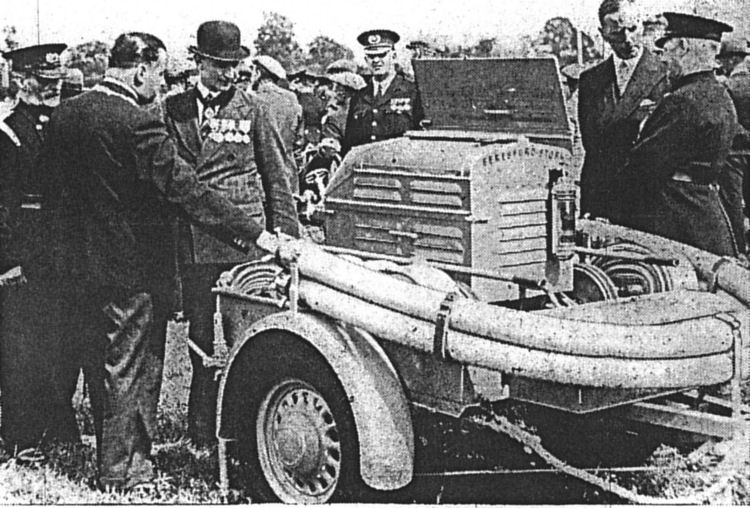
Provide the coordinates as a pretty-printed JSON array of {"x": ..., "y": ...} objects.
[
  {"x": 573, "y": 71},
  {"x": 348, "y": 79},
  {"x": 42, "y": 60},
  {"x": 342, "y": 65},
  {"x": 270, "y": 64},
  {"x": 378, "y": 41},
  {"x": 692, "y": 27}
]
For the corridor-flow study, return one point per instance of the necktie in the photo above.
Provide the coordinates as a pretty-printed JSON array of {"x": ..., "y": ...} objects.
[
  {"x": 622, "y": 77},
  {"x": 211, "y": 106}
]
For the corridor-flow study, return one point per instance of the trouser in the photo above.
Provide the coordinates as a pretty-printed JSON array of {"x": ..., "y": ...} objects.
[
  {"x": 199, "y": 306},
  {"x": 37, "y": 375},
  {"x": 122, "y": 355}
]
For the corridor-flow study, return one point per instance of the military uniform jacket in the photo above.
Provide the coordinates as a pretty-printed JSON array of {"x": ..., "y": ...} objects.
[
  {"x": 674, "y": 167},
  {"x": 387, "y": 116},
  {"x": 121, "y": 184},
  {"x": 242, "y": 158},
  {"x": 22, "y": 186},
  {"x": 609, "y": 126}
]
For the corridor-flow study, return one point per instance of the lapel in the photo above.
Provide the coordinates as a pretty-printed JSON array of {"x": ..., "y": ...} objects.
[
  {"x": 368, "y": 94},
  {"x": 646, "y": 76},
  {"x": 182, "y": 110}
]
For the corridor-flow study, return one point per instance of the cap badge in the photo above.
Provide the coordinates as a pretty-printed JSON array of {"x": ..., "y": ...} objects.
[
  {"x": 52, "y": 58},
  {"x": 374, "y": 39}
]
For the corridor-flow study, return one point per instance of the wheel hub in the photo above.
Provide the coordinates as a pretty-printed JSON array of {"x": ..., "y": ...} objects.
[{"x": 298, "y": 443}]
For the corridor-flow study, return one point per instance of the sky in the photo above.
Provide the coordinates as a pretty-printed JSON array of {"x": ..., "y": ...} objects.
[{"x": 76, "y": 21}]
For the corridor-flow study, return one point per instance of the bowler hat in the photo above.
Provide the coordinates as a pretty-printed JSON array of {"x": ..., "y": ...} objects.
[
  {"x": 378, "y": 41},
  {"x": 42, "y": 60},
  {"x": 692, "y": 27},
  {"x": 220, "y": 40}
]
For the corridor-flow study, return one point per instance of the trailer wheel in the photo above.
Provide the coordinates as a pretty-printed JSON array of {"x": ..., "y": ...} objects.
[{"x": 302, "y": 447}]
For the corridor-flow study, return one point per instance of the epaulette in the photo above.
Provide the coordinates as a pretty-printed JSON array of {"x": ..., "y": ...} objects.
[{"x": 4, "y": 127}]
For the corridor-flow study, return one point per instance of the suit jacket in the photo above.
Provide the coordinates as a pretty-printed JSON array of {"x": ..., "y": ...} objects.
[
  {"x": 287, "y": 113},
  {"x": 121, "y": 184},
  {"x": 372, "y": 119},
  {"x": 675, "y": 165},
  {"x": 609, "y": 127},
  {"x": 251, "y": 173}
]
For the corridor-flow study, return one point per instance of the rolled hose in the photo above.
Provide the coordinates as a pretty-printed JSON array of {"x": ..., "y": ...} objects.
[
  {"x": 717, "y": 272},
  {"x": 543, "y": 347}
]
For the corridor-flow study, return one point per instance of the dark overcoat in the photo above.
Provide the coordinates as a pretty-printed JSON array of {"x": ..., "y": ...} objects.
[
  {"x": 32, "y": 340},
  {"x": 674, "y": 168},
  {"x": 609, "y": 126}
]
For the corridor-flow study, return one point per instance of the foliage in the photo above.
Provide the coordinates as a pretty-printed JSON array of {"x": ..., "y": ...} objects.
[
  {"x": 324, "y": 50},
  {"x": 558, "y": 37},
  {"x": 91, "y": 58},
  {"x": 276, "y": 38},
  {"x": 10, "y": 38}
]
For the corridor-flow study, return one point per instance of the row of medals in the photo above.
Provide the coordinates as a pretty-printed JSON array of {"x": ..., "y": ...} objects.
[{"x": 228, "y": 130}]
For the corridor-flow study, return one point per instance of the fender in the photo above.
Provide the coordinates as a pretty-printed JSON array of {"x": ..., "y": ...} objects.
[{"x": 381, "y": 411}]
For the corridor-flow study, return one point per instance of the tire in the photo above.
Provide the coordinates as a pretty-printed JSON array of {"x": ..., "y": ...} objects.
[{"x": 299, "y": 443}]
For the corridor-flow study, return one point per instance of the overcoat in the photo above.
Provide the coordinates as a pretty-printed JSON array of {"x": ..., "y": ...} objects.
[{"x": 675, "y": 167}]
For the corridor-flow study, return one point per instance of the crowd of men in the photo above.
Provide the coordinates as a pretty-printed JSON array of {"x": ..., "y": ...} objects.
[{"x": 121, "y": 203}]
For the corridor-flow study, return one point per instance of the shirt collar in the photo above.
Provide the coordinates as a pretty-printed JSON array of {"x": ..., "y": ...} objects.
[
  {"x": 205, "y": 92},
  {"x": 384, "y": 85},
  {"x": 630, "y": 62}
]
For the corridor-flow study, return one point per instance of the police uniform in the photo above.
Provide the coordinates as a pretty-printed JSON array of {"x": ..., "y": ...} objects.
[
  {"x": 35, "y": 385},
  {"x": 389, "y": 113},
  {"x": 675, "y": 166}
]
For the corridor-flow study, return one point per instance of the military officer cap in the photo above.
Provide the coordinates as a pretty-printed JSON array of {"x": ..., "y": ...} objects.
[
  {"x": 271, "y": 65},
  {"x": 692, "y": 27},
  {"x": 378, "y": 41},
  {"x": 348, "y": 79},
  {"x": 42, "y": 61},
  {"x": 734, "y": 46}
]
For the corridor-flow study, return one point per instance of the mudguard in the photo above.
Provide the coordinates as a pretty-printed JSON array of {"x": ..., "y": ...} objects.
[{"x": 380, "y": 408}]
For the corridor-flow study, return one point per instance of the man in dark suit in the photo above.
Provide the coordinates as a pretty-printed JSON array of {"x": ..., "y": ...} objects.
[
  {"x": 34, "y": 395},
  {"x": 613, "y": 99},
  {"x": 676, "y": 165},
  {"x": 121, "y": 184},
  {"x": 389, "y": 105},
  {"x": 238, "y": 151}
]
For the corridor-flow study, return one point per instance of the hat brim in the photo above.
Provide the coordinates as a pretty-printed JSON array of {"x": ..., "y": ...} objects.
[
  {"x": 236, "y": 56},
  {"x": 49, "y": 74},
  {"x": 379, "y": 50}
]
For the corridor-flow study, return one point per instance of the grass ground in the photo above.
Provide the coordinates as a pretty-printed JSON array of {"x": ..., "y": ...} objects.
[{"x": 189, "y": 474}]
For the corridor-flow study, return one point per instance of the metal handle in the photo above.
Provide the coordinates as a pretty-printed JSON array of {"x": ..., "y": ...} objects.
[
  {"x": 403, "y": 234},
  {"x": 498, "y": 112}
]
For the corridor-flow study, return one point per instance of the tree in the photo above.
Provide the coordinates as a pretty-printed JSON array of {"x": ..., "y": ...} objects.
[
  {"x": 558, "y": 37},
  {"x": 323, "y": 50},
  {"x": 91, "y": 58},
  {"x": 276, "y": 39},
  {"x": 10, "y": 38}
]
